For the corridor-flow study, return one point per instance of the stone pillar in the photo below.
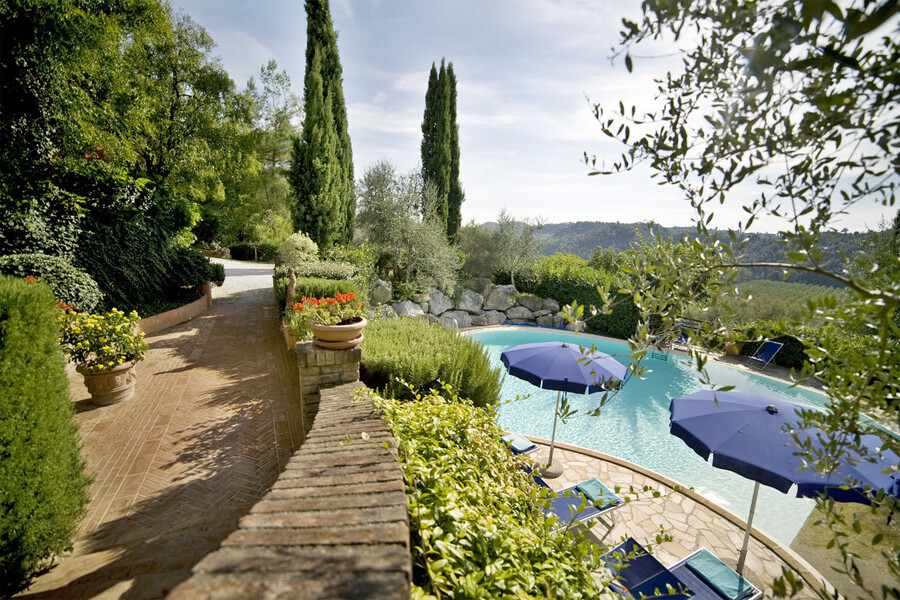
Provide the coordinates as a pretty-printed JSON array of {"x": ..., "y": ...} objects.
[{"x": 320, "y": 368}]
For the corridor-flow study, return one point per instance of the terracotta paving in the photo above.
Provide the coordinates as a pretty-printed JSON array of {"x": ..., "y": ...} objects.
[{"x": 213, "y": 422}]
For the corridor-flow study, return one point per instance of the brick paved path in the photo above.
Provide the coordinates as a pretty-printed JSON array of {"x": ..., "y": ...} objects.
[{"x": 213, "y": 422}]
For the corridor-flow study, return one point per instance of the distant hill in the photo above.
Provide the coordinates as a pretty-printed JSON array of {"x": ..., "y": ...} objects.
[{"x": 583, "y": 238}]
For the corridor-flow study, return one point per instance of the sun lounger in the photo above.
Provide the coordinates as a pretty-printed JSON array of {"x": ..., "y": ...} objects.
[
  {"x": 518, "y": 444},
  {"x": 588, "y": 501},
  {"x": 700, "y": 576},
  {"x": 765, "y": 353}
]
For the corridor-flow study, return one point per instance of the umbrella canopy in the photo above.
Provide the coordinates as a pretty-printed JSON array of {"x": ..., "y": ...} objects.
[
  {"x": 747, "y": 434},
  {"x": 564, "y": 367},
  {"x": 751, "y": 435}
]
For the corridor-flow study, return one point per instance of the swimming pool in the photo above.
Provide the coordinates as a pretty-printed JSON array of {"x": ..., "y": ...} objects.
[{"x": 634, "y": 425}]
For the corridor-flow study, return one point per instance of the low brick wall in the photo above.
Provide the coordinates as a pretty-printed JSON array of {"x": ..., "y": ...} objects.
[
  {"x": 333, "y": 526},
  {"x": 178, "y": 315}
]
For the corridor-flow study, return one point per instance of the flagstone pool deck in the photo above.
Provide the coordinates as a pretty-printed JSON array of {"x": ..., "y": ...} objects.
[{"x": 215, "y": 420}]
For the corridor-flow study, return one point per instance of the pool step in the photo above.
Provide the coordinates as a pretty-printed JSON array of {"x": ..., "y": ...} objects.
[{"x": 664, "y": 356}]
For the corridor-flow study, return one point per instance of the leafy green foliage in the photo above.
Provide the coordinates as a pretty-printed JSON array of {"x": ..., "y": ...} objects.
[
  {"x": 257, "y": 252},
  {"x": 425, "y": 354},
  {"x": 474, "y": 528},
  {"x": 321, "y": 172},
  {"x": 322, "y": 269},
  {"x": 568, "y": 278},
  {"x": 411, "y": 249},
  {"x": 363, "y": 258},
  {"x": 795, "y": 101},
  {"x": 297, "y": 249},
  {"x": 70, "y": 285},
  {"x": 45, "y": 490}
]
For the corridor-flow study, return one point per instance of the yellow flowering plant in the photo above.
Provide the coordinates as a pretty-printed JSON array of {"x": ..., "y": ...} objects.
[{"x": 97, "y": 342}]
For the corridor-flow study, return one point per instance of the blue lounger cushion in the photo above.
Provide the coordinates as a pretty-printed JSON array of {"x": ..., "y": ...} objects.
[
  {"x": 720, "y": 576},
  {"x": 518, "y": 443},
  {"x": 598, "y": 493}
]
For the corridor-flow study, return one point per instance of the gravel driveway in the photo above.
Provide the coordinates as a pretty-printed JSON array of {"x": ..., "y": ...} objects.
[{"x": 245, "y": 283}]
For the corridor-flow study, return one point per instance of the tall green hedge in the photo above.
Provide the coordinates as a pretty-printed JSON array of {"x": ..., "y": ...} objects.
[
  {"x": 567, "y": 278},
  {"x": 43, "y": 487},
  {"x": 424, "y": 355}
]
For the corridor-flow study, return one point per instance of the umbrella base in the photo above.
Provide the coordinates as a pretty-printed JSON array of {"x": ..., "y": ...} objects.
[{"x": 551, "y": 471}]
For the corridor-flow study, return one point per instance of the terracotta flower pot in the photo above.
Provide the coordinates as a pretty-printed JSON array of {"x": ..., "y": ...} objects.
[
  {"x": 112, "y": 385},
  {"x": 734, "y": 348},
  {"x": 338, "y": 337}
]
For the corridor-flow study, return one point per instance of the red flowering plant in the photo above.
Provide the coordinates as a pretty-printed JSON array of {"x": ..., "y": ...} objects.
[{"x": 337, "y": 310}]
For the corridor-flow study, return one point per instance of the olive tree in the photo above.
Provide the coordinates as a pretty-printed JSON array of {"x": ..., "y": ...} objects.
[{"x": 797, "y": 102}]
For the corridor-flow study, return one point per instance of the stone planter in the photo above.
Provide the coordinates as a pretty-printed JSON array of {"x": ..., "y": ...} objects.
[
  {"x": 110, "y": 385},
  {"x": 338, "y": 337}
]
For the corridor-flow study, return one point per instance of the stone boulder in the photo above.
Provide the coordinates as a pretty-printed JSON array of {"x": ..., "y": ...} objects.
[
  {"x": 491, "y": 317},
  {"x": 541, "y": 313},
  {"x": 458, "y": 318},
  {"x": 531, "y": 302},
  {"x": 551, "y": 305},
  {"x": 482, "y": 285},
  {"x": 408, "y": 309},
  {"x": 440, "y": 303},
  {"x": 470, "y": 302},
  {"x": 501, "y": 298},
  {"x": 519, "y": 313},
  {"x": 547, "y": 320},
  {"x": 424, "y": 306},
  {"x": 419, "y": 298},
  {"x": 381, "y": 293}
]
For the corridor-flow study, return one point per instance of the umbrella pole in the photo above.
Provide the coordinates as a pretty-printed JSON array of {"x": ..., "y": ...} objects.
[
  {"x": 553, "y": 435},
  {"x": 740, "y": 565}
]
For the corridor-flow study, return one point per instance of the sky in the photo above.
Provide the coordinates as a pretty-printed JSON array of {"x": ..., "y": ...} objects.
[{"x": 528, "y": 72}]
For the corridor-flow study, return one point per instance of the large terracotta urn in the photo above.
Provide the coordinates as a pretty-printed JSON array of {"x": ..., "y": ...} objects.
[
  {"x": 112, "y": 385},
  {"x": 338, "y": 337}
]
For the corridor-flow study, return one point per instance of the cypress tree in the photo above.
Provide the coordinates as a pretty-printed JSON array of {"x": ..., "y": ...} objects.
[
  {"x": 456, "y": 196},
  {"x": 322, "y": 59},
  {"x": 315, "y": 171},
  {"x": 440, "y": 147},
  {"x": 436, "y": 141}
]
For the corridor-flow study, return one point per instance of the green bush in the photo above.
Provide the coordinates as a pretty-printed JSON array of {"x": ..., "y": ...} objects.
[
  {"x": 792, "y": 355},
  {"x": 253, "y": 252},
  {"x": 190, "y": 269},
  {"x": 474, "y": 529},
  {"x": 567, "y": 278},
  {"x": 43, "y": 488},
  {"x": 298, "y": 248},
  {"x": 70, "y": 285},
  {"x": 425, "y": 354},
  {"x": 363, "y": 257}
]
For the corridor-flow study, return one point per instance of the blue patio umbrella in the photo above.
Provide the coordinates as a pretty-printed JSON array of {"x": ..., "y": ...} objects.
[
  {"x": 751, "y": 435},
  {"x": 564, "y": 367}
]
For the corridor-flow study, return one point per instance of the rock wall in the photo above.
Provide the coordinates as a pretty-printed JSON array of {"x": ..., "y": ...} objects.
[{"x": 498, "y": 304}]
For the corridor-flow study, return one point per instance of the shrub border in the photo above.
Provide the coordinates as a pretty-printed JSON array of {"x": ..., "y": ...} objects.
[{"x": 178, "y": 315}]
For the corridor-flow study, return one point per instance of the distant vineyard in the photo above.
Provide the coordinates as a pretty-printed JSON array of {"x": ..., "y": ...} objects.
[{"x": 764, "y": 299}]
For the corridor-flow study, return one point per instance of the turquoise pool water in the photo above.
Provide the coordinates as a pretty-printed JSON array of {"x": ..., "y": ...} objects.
[{"x": 634, "y": 425}]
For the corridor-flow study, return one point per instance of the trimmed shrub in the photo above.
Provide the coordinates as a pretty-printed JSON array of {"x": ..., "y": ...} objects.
[
  {"x": 475, "y": 530},
  {"x": 70, "y": 285},
  {"x": 322, "y": 269},
  {"x": 189, "y": 269},
  {"x": 315, "y": 287},
  {"x": 43, "y": 488},
  {"x": 297, "y": 249},
  {"x": 792, "y": 355},
  {"x": 424, "y": 355}
]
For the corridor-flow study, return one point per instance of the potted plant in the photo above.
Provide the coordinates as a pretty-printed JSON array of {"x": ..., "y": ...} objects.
[
  {"x": 334, "y": 323},
  {"x": 105, "y": 349}
]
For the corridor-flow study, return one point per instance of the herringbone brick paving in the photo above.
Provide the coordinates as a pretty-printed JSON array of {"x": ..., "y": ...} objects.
[{"x": 214, "y": 420}]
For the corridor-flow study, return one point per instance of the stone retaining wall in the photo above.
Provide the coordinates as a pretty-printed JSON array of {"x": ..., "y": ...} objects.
[{"x": 334, "y": 525}]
